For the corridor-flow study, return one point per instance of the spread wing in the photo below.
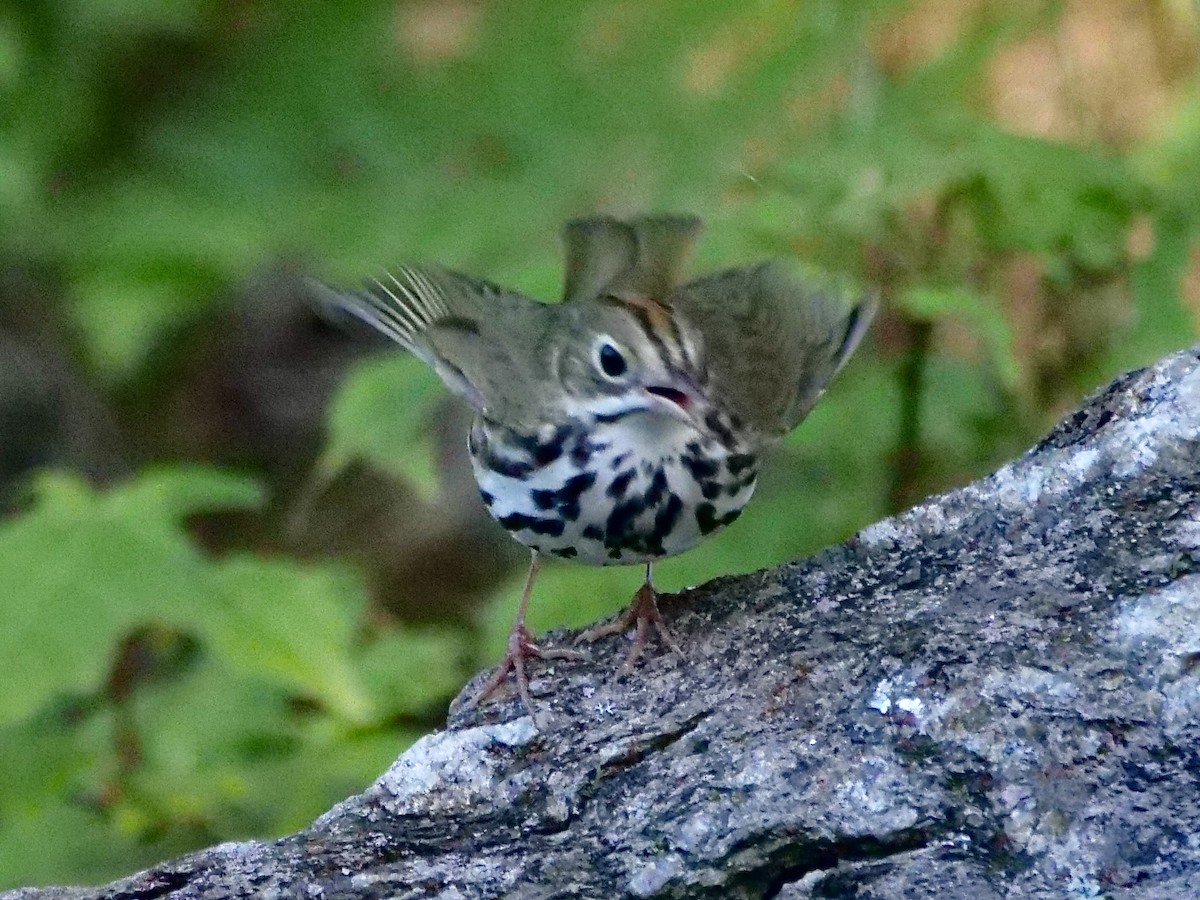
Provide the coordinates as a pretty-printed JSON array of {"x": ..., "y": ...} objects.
[
  {"x": 641, "y": 258},
  {"x": 773, "y": 341},
  {"x": 482, "y": 340}
]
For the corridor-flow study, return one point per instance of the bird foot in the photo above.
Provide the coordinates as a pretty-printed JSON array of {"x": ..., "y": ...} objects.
[
  {"x": 641, "y": 613},
  {"x": 521, "y": 646}
]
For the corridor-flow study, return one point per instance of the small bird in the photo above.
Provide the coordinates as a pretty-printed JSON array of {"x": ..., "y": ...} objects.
[{"x": 626, "y": 423}]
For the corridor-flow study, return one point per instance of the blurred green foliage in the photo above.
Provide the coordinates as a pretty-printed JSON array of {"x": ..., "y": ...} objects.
[
  {"x": 366, "y": 422},
  {"x": 162, "y": 698},
  {"x": 153, "y": 156}
]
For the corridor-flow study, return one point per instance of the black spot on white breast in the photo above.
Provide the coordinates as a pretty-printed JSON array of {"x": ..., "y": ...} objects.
[
  {"x": 552, "y": 527},
  {"x": 620, "y": 484}
]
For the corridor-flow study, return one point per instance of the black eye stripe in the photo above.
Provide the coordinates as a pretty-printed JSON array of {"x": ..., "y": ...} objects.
[
  {"x": 656, "y": 339},
  {"x": 685, "y": 358}
]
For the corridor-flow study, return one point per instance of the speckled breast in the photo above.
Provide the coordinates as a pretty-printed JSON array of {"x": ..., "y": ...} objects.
[{"x": 630, "y": 491}]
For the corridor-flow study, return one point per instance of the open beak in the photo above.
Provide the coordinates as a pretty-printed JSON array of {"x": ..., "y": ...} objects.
[
  {"x": 685, "y": 403},
  {"x": 671, "y": 395}
]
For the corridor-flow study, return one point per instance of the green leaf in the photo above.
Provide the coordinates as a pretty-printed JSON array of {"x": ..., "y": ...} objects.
[
  {"x": 168, "y": 493},
  {"x": 407, "y": 669},
  {"x": 64, "y": 836},
  {"x": 124, "y": 313},
  {"x": 83, "y": 567},
  {"x": 930, "y": 304},
  {"x": 294, "y": 627},
  {"x": 200, "y": 737},
  {"x": 382, "y": 415},
  {"x": 227, "y": 750}
]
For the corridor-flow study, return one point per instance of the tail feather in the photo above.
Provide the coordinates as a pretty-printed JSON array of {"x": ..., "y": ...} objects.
[
  {"x": 843, "y": 329},
  {"x": 643, "y": 257},
  {"x": 857, "y": 323}
]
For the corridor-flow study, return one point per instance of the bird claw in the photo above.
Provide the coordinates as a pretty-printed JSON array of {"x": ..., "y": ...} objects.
[
  {"x": 521, "y": 646},
  {"x": 641, "y": 613}
]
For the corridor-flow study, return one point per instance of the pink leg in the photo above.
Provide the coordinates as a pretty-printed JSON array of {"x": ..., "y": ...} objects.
[
  {"x": 521, "y": 646},
  {"x": 642, "y": 612}
]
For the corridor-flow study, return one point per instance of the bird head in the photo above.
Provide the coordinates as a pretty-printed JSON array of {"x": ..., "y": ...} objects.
[{"x": 623, "y": 357}]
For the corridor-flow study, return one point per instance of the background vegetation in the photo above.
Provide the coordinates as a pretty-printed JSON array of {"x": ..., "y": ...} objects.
[{"x": 241, "y": 565}]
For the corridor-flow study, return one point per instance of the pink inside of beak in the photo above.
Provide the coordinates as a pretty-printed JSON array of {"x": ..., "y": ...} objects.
[{"x": 679, "y": 398}]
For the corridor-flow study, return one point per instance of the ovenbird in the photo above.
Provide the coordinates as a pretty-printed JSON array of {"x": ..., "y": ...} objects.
[{"x": 626, "y": 423}]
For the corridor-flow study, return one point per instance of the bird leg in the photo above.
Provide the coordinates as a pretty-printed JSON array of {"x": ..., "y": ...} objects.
[
  {"x": 521, "y": 646},
  {"x": 642, "y": 612}
]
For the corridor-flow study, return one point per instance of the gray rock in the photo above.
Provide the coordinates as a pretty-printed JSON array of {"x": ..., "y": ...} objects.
[{"x": 996, "y": 694}]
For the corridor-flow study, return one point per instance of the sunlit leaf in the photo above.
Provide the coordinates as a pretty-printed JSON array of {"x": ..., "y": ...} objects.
[{"x": 278, "y": 622}]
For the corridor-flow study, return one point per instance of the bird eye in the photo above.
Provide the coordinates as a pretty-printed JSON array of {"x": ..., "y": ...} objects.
[{"x": 611, "y": 361}]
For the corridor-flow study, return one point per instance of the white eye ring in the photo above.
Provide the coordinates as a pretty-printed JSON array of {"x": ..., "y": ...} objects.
[{"x": 611, "y": 361}]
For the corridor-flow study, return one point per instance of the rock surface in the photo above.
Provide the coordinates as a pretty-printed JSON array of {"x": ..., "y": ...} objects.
[{"x": 996, "y": 694}]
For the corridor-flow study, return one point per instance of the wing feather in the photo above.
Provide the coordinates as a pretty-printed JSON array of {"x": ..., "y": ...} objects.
[
  {"x": 772, "y": 341},
  {"x": 479, "y": 338}
]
